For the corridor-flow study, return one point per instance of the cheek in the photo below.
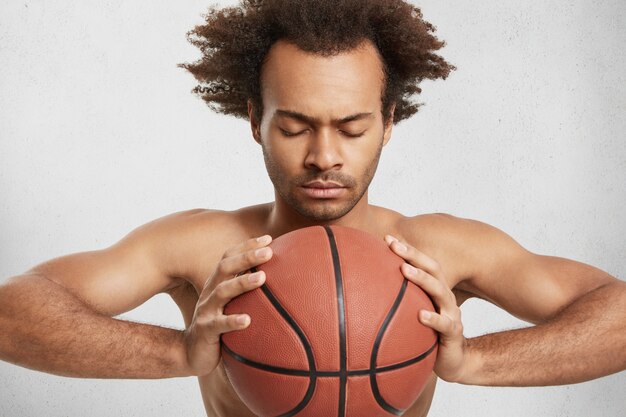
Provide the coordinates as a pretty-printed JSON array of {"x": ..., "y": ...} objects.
[
  {"x": 281, "y": 155},
  {"x": 362, "y": 154}
]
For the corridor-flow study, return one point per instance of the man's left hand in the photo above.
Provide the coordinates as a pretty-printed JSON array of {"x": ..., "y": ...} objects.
[{"x": 419, "y": 268}]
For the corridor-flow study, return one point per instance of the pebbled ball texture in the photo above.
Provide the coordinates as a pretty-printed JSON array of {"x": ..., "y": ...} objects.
[{"x": 334, "y": 330}]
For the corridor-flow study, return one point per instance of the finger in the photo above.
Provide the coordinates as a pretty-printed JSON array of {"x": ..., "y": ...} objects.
[
  {"x": 441, "y": 323},
  {"x": 232, "y": 265},
  {"x": 413, "y": 256},
  {"x": 437, "y": 289},
  {"x": 247, "y": 245},
  {"x": 231, "y": 288},
  {"x": 223, "y": 324}
]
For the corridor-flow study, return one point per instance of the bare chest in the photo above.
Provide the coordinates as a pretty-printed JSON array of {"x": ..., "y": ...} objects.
[{"x": 219, "y": 396}]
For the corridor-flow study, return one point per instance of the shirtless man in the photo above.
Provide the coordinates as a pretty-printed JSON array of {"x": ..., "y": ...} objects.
[{"x": 321, "y": 121}]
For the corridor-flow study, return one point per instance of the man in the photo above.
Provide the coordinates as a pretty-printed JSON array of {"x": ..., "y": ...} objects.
[{"x": 322, "y": 107}]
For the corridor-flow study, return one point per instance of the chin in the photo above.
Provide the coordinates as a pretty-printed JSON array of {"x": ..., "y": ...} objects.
[{"x": 323, "y": 211}]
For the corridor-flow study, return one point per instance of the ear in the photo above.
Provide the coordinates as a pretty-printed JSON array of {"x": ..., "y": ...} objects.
[
  {"x": 389, "y": 125},
  {"x": 255, "y": 124}
]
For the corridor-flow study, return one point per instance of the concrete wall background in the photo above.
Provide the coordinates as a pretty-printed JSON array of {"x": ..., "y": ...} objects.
[{"x": 99, "y": 134}]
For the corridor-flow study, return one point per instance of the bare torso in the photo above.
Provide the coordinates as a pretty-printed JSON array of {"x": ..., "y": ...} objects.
[{"x": 219, "y": 397}]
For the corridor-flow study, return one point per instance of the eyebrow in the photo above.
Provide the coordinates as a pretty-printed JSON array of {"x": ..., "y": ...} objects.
[{"x": 312, "y": 120}]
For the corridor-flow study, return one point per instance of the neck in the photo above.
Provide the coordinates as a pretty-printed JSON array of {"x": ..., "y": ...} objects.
[{"x": 283, "y": 219}]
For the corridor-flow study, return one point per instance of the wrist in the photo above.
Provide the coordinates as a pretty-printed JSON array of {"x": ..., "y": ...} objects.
[
  {"x": 472, "y": 364},
  {"x": 180, "y": 356}
]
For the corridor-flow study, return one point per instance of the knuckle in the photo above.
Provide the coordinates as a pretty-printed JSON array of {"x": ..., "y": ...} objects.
[
  {"x": 243, "y": 282},
  {"x": 254, "y": 242},
  {"x": 226, "y": 323},
  {"x": 234, "y": 250},
  {"x": 250, "y": 257},
  {"x": 209, "y": 325},
  {"x": 232, "y": 321},
  {"x": 217, "y": 324},
  {"x": 221, "y": 267},
  {"x": 221, "y": 291},
  {"x": 438, "y": 290}
]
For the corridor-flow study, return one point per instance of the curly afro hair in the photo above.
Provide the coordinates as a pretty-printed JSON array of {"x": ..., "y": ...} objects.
[{"x": 235, "y": 41}]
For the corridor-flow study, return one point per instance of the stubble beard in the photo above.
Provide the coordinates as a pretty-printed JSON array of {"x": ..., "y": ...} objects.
[{"x": 322, "y": 211}]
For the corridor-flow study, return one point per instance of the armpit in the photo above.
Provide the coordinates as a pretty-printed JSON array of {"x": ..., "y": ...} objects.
[{"x": 461, "y": 296}]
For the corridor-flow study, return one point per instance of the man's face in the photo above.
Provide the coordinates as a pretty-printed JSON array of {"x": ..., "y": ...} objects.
[{"x": 322, "y": 129}]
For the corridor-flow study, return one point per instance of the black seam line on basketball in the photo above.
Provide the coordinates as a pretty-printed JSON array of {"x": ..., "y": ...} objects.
[
  {"x": 325, "y": 374},
  {"x": 307, "y": 348},
  {"x": 341, "y": 317},
  {"x": 383, "y": 328}
]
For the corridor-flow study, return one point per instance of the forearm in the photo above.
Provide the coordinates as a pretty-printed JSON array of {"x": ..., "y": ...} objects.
[
  {"x": 586, "y": 340},
  {"x": 44, "y": 327}
]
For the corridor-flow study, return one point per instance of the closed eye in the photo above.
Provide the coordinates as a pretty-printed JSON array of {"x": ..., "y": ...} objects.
[
  {"x": 353, "y": 135},
  {"x": 291, "y": 134},
  {"x": 343, "y": 132}
]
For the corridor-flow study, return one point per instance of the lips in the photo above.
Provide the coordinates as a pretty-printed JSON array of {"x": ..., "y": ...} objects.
[
  {"x": 323, "y": 189},
  {"x": 322, "y": 184}
]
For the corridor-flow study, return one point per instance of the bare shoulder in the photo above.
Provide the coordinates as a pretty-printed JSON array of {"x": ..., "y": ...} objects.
[
  {"x": 427, "y": 224},
  {"x": 465, "y": 248},
  {"x": 481, "y": 260},
  {"x": 189, "y": 243},
  {"x": 174, "y": 254}
]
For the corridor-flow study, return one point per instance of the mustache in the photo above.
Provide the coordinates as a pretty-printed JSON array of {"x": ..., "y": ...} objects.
[{"x": 338, "y": 177}]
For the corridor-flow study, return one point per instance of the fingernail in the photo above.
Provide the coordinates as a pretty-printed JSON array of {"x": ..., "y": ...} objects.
[
  {"x": 410, "y": 269},
  {"x": 262, "y": 252},
  {"x": 400, "y": 247},
  {"x": 264, "y": 239},
  {"x": 389, "y": 239},
  {"x": 242, "y": 320},
  {"x": 255, "y": 278},
  {"x": 425, "y": 315}
]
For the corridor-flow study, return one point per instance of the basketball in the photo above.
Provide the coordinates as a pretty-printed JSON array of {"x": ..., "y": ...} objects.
[{"x": 334, "y": 330}]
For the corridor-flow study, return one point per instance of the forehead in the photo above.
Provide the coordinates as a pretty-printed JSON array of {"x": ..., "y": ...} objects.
[{"x": 322, "y": 86}]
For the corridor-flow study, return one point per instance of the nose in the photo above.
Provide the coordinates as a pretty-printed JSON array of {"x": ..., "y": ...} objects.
[{"x": 323, "y": 152}]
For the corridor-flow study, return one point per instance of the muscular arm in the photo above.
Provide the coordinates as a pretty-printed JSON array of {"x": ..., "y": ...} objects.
[
  {"x": 579, "y": 312},
  {"x": 45, "y": 327},
  {"x": 57, "y": 317},
  {"x": 586, "y": 340}
]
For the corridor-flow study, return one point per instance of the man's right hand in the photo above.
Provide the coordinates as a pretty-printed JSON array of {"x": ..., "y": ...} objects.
[{"x": 202, "y": 337}]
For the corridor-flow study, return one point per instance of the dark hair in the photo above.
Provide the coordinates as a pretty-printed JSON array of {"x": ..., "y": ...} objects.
[{"x": 235, "y": 40}]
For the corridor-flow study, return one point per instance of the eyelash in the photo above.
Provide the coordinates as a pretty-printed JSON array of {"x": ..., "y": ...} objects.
[
  {"x": 353, "y": 135},
  {"x": 290, "y": 134}
]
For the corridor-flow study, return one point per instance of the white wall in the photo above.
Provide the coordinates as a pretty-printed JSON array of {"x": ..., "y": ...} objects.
[{"x": 99, "y": 134}]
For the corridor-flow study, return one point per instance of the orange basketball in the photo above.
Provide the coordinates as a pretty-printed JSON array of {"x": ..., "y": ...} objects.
[{"x": 334, "y": 330}]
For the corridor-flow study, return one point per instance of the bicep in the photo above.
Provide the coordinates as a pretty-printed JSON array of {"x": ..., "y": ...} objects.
[
  {"x": 532, "y": 287},
  {"x": 113, "y": 280},
  {"x": 537, "y": 287}
]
